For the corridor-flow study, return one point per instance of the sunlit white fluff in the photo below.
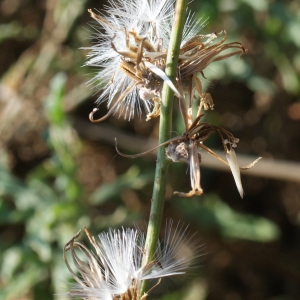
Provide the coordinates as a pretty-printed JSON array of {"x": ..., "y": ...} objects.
[
  {"x": 192, "y": 27},
  {"x": 115, "y": 269},
  {"x": 151, "y": 19}
]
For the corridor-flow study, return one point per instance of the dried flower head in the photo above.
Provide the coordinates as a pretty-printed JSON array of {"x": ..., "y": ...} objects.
[
  {"x": 192, "y": 141},
  {"x": 196, "y": 53},
  {"x": 187, "y": 148},
  {"x": 131, "y": 51},
  {"x": 115, "y": 270}
]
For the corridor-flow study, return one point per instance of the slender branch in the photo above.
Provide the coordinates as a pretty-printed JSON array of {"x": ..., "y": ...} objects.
[{"x": 165, "y": 126}]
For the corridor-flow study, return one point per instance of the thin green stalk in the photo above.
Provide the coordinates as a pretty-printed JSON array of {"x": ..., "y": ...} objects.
[{"x": 165, "y": 126}]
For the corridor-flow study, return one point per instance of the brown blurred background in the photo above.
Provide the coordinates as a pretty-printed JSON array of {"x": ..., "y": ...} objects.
[{"x": 59, "y": 172}]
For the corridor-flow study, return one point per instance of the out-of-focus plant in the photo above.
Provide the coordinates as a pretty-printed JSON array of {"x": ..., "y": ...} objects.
[
  {"x": 216, "y": 216},
  {"x": 43, "y": 210},
  {"x": 276, "y": 43}
]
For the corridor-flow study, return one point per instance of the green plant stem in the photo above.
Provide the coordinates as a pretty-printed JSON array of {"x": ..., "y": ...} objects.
[{"x": 165, "y": 126}]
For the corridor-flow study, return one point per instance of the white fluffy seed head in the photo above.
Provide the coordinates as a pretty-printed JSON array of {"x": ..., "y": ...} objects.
[
  {"x": 115, "y": 267},
  {"x": 131, "y": 50},
  {"x": 149, "y": 19}
]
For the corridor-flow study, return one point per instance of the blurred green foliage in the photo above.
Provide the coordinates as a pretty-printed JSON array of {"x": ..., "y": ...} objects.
[
  {"x": 213, "y": 214},
  {"x": 275, "y": 23},
  {"x": 45, "y": 208}
]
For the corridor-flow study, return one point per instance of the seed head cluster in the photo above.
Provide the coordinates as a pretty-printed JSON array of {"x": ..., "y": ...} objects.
[{"x": 130, "y": 52}]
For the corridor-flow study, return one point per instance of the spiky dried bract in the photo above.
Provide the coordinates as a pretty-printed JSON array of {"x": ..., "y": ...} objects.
[
  {"x": 115, "y": 270},
  {"x": 193, "y": 139},
  {"x": 187, "y": 148},
  {"x": 131, "y": 51},
  {"x": 196, "y": 53}
]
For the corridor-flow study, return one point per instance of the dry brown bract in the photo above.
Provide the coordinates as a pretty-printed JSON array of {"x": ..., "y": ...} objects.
[
  {"x": 187, "y": 148},
  {"x": 195, "y": 55}
]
